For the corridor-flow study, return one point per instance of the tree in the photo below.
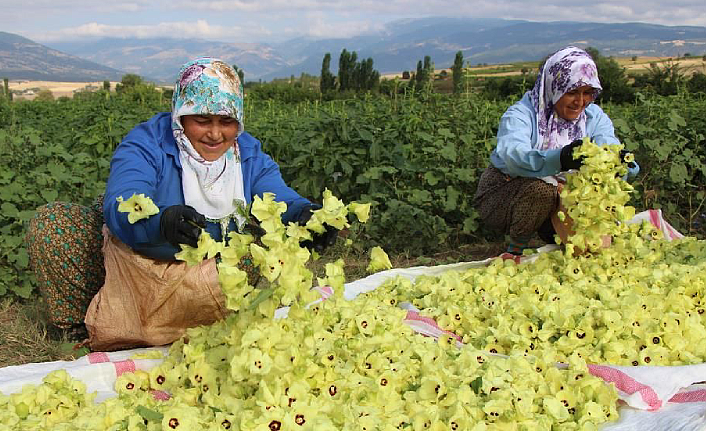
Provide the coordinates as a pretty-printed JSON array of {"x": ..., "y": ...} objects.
[
  {"x": 106, "y": 85},
  {"x": 405, "y": 74},
  {"x": 241, "y": 74},
  {"x": 128, "y": 81},
  {"x": 8, "y": 93},
  {"x": 457, "y": 71},
  {"x": 697, "y": 83},
  {"x": 346, "y": 69},
  {"x": 428, "y": 69},
  {"x": 419, "y": 76},
  {"x": 664, "y": 80},
  {"x": 328, "y": 81},
  {"x": 424, "y": 72},
  {"x": 613, "y": 78},
  {"x": 44, "y": 95}
]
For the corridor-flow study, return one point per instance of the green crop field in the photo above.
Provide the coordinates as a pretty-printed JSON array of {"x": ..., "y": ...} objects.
[{"x": 416, "y": 159}]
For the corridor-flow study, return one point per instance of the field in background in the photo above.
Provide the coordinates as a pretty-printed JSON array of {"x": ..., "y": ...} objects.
[
  {"x": 28, "y": 89},
  {"x": 688, "y": 65}
]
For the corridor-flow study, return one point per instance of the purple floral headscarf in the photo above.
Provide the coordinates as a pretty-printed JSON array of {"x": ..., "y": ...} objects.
[{"x": 565, "y": 70}]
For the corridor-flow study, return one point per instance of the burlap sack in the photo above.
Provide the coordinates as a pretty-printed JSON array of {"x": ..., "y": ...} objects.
[{"x": 146, "y": 302}]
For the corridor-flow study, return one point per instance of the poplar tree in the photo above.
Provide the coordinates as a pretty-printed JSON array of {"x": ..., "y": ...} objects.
[
  {"x": 457, "y": 71},
  {"x": 328, "y": 81}
]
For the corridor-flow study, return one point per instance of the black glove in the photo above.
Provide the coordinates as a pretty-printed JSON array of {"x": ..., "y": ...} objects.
[
  {"x": 320, "y": 240},
  {"x": 566, "y": 158},
  {"x": 623, "y": 155},
  {"x": 181, "y": 224}
]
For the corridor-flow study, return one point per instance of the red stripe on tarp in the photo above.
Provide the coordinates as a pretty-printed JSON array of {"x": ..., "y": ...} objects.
[
  {"x": 124, "y": 367},
  {"x": 97, "y": 357},
  {"x": 325, "y": 291},
  {"x": 509, "y": 256},
  {"x": 413, "y": 315},
  {"x": 627, "y": 384},
  {"x": 655, "y": 219},
  {"x": 697, "y": 396},
  {"x": 160, "y": 395}
]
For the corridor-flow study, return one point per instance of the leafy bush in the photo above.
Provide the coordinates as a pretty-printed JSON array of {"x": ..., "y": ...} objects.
[{"x": 417, "y": 158}]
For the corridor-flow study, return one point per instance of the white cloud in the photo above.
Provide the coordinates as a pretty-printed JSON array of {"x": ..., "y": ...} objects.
[
  {"x": 81, "y": 6},
  {"x": 199, "y": 29},
  {"x": 688, "y": 12},
  {"x": 319, "y": 25},
  {"x": 258, "y": 20}
]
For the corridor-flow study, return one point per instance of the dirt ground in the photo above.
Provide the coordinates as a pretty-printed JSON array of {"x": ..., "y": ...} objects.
[
  {"x": 688, "y": 66},
  {"x": 58, "y": 89}
]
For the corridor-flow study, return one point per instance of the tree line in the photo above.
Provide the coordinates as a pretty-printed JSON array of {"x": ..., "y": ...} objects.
[{"x": 353, "y": 75}]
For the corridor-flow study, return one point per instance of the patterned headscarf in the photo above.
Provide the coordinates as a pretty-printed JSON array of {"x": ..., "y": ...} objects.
[
  {"x": 565, "y": 70},
  {"x": 208, "y": 86}
]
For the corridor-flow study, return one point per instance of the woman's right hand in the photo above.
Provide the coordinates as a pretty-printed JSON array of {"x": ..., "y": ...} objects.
[
  {"x": 566, "y": 157},
  {"x": 182, "y": 224}
]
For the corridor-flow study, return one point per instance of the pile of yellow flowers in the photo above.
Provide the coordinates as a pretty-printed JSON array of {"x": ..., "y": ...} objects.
[
  {"x": 595, "y": 199},
  {"x": 341, "y": 365},
  {"x": 355, "y": 365}
]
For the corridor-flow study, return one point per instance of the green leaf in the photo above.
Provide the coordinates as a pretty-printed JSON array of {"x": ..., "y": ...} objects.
[
  {"x": 452, "y": 196},
  {"x": 431, "y": 179},
  {"x": 424, "y": 136},
  {"x": 149, "y": 414},
  {"x": 24, "y": 290},
  {"x": 448, "y": 151},
  {"x": 264, "y": 294},
  {"x": 470, "y": 225},
  {"x": 9, "y": 209},
  {"x": 678, "y": 173},
  {"x": 621, "y": 126},
  {"x": 49, "y": 195},
  {"x": 365, "y": 135},
  {"x": 446, "y": 133},
  {"x": 21, "y": 258},
  {"x": 477, "y": 384}
]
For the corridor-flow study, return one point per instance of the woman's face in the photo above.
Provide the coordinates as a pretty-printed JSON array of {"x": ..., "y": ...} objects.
[
  {"x": 573, "y": 102},
  {"x": 211, "y": 135}
]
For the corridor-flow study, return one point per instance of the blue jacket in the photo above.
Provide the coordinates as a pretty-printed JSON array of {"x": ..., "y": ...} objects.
[
  {"x": 516, "y": 153},
  {"x": 147, "y": 161}
]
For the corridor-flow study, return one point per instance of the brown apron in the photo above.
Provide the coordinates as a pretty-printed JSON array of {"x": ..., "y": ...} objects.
[{"x": 147, "y": 302}]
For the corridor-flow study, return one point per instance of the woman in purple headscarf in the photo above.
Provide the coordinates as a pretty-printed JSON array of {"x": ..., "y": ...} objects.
[{"x": 517, "y": 193}]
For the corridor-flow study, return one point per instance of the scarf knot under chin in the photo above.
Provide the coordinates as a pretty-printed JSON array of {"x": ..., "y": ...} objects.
[{"x": 208, "y": 86}]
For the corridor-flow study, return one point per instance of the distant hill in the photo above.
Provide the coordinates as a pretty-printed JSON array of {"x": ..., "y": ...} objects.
[
  {"x": 21, "y": 58},
  {"x": 396, "y": 48},
  {"x": 406, "y": 42},
  {"x": 162, "y": 58}
]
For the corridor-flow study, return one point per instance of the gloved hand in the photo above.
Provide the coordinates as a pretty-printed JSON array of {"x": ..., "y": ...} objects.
[
  {"x": 320, "y": 240},
  {"x": 566, "y": 158},
  {"x": 626, "y": 155},
  {"x": 182, "y": 224}
]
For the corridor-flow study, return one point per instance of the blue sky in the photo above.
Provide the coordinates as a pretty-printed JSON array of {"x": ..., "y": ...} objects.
[{"x": 252, "y": 21}]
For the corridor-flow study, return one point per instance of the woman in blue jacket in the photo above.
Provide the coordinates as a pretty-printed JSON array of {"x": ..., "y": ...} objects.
[
  {"x": 199, "y": 167},
  {"x": 518, "y": 193}
]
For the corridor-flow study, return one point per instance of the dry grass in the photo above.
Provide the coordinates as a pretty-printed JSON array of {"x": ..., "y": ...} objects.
[{"x": 25, "y": 337}]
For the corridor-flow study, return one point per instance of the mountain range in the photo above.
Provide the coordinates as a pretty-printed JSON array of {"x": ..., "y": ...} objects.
[
  {"x": 396, "y": 48},
  {"x": 21, "y": 58}
]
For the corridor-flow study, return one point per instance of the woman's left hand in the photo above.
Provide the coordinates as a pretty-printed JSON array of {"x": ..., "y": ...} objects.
[{"x": 320, "y": 241}]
